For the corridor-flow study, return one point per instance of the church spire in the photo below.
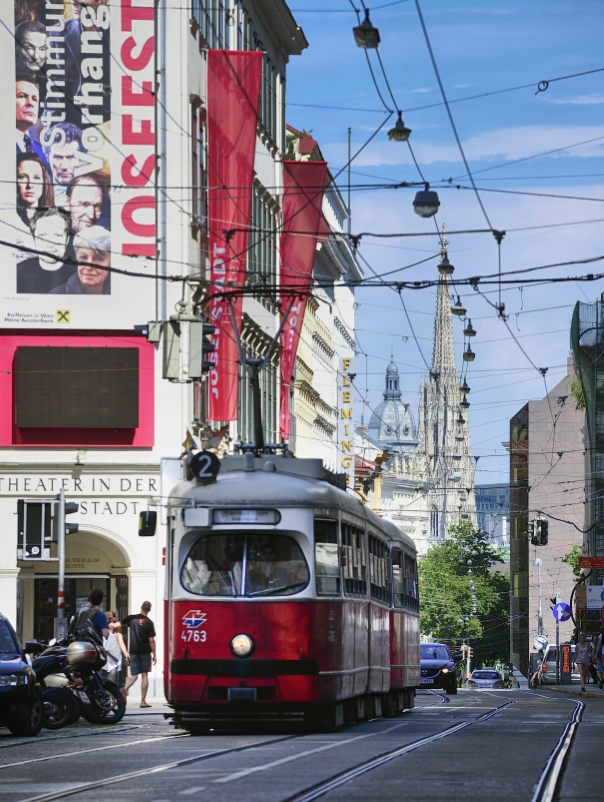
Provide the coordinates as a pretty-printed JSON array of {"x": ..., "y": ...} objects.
[{"x": 443, "y": 354}]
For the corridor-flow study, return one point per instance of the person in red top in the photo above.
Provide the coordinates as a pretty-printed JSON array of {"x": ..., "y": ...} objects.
[{"x": 142, "y": 651}]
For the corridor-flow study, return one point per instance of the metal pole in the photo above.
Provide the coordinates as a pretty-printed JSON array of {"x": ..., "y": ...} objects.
[
  {"x": 539, "y": 563},
  {"x": 557, "y": 645},
  {"x": 468, "y": 661},
  {"x": 349, "y": 160},
  {"x": 61, "y": 554}
]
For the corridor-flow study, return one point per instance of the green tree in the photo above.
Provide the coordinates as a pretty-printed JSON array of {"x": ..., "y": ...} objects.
[
  {"x": 446, "y": 594},
  {"x": 572, "y": 558},
  {"x": 577, "y": 393}
]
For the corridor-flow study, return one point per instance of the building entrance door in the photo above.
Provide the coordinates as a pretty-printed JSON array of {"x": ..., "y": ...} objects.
[{"x": 76, "y": 596}]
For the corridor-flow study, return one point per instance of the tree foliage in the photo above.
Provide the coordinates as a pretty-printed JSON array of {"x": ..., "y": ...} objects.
[
  {"x": 446, "y": 594},
  {"x": 572, "y": 558},
  {"x": 577, "y": 393}
]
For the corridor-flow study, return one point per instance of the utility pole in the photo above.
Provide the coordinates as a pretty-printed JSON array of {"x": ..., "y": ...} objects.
[
  {"x": 61, "y": 556},
  {"x": 349, "y": 160},
  {"x": 557, "y": 644},
  {"x": 538, "y": 562},
  {"x": 468, "y": 661}
]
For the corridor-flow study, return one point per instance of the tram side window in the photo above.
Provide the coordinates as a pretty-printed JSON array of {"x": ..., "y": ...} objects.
[
  {"x": 275, "y": 565},
  {"x": 379, "y": 569},
  {"x": 411, "y": 592},
  {"x": 327, "y": 557},
  {"x": 355, "y": 567},
  {"x": 398, "y": 577}
]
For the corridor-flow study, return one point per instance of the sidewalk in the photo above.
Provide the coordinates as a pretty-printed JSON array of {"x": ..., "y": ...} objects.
[{"x": 591, "y": 691}]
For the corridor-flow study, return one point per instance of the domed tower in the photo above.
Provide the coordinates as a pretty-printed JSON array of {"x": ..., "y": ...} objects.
[{"x": 392, "y": 426}]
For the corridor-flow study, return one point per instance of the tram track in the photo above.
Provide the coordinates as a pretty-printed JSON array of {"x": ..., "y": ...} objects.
[
  {"x": 305, "y": 796},
  {"x": 337, "y": 780},
  {"x": 549, "y": 782},
  {"x": 150, "y": 770}
]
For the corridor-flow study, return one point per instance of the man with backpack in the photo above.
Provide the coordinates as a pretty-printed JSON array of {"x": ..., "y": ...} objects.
[{"x": 92, "y": 612}]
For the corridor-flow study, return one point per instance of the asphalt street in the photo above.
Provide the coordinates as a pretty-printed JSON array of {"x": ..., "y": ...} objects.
[{"x": 492, "y": 745}]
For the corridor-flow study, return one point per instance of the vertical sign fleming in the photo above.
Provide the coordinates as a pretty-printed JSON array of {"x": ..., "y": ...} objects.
[{"x": 346, "y": 421}]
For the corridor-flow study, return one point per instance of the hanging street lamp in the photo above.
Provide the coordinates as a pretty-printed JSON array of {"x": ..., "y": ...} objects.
[
  {"x": 400, "y": 132},
  {"x": 468, "y": 355},
  {"x": 469, "y": 331},
  {"x": 426, "y": 204},
  {"x": 365, "y": 35},
  {"x": 457, "y": 308}
]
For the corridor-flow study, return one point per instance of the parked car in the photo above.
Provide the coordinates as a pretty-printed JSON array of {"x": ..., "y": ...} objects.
[
  {"x": 20, "y": 702},
  {"x": 486, "y": 678},
  {"x": 438, "y": 667},
  {"x": 547, "y": 673}
]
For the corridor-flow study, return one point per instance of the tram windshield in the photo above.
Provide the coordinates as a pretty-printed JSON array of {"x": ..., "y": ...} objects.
[{"x": 237, "y": 564}]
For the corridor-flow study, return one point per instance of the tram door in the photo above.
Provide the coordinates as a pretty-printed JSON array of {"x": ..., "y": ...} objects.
[{"x": 76, "y": 596}]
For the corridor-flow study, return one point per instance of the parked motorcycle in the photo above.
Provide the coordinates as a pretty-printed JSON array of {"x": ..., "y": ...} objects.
[
  {"x": 69, "y": 673},
  {"x": 101, "y": 700},
  {"x": 61, "y": 704}
]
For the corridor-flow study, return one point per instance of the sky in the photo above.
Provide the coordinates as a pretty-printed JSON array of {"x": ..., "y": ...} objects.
[{"x": 479, "y": 48}]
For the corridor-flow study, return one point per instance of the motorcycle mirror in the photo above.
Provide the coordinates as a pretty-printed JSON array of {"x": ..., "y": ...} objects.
[{"x": 33, "y": 647}]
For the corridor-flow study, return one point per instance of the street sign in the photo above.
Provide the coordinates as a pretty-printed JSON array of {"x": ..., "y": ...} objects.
[
  {"x": 591, "y": 562},
  {"x": 540, "y": 642},
  {"x": 561, "y": 612},
  {"x": 595, "y": 597}
]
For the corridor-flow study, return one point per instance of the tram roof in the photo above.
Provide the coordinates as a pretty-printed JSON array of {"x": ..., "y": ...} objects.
[{"x": 289, "y": 483}]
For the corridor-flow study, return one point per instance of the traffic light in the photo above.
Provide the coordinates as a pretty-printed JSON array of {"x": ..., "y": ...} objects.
[
  {"x": 70, "y": 508},
  {"x": 200, "y": 345},
  {"x": 34, "y": 534},
  {"x": 543, "y": 535},
  {"x": 470, "y": 652},
  {"x": 532, "y": 532}
]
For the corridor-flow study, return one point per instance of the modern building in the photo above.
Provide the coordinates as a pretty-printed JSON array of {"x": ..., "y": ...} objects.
[
  {"x": 493, "y": 512},
  {"x": 547, "y": 479}
]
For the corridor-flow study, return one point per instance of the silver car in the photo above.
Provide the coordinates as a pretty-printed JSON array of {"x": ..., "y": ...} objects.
[{"x": 486, "y": 678}]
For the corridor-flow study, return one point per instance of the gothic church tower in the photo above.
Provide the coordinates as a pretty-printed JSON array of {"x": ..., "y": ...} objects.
[{"x": 444, "y": 438}]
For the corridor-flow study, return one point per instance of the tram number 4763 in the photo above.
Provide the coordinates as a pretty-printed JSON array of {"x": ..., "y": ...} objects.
[{"x": 195, "y": 635}]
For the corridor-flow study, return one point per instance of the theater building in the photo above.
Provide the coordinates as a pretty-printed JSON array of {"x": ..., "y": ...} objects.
[{"x": 111, "y": 199}]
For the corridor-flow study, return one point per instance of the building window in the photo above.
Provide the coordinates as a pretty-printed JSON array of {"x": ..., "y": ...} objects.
[
  {"x": 211, "y": 16},
  {"x": 262, "y": 253},
  {"x": 199, "y": 173},
  {"x": 434, "y": 522},
  {"x": 268, "y": 401}
]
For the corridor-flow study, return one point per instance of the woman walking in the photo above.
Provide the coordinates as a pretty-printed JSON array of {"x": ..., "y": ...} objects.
[{"x": 582, "y": 659}]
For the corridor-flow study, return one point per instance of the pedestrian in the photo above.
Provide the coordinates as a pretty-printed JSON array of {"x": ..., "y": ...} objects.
[
  {"x": 582, "y": 659},
  {"x": 142, "y": 651},
  {"x": 115, "y": 648},
  {"x": 597, "y": 656},
  {"x": 92, "y": 612}
]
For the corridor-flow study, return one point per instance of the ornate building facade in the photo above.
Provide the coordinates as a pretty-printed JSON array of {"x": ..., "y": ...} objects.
[{"x": 425, "y": 472}]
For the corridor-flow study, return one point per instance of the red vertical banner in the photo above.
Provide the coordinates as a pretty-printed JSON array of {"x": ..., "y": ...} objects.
[
  {"x": 303, "y": 189},
  {"x": 233, "y": 103}
]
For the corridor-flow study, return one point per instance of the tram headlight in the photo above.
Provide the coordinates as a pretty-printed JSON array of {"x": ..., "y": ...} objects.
[{"x": 242, "y": 645}]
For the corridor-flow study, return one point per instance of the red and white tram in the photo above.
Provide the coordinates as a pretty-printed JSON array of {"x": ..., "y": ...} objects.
[{"x": 287, "y": 601}]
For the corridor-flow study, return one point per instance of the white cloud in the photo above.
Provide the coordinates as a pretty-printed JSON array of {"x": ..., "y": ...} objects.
[
  {"x": 580, "y": 100},
  {"x": 500, "y": 145}
]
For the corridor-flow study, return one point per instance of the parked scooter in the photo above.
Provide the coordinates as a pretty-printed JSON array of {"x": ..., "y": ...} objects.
[{"x": 53, "y": 675}]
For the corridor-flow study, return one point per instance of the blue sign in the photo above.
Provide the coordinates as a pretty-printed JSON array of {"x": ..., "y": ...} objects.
[{"x": 562, "y": 612}]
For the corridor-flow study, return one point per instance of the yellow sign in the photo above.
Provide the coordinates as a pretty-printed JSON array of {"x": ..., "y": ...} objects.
[
  {"x": 63, "y": 316},
  {"x": 346, "y": 421}
]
